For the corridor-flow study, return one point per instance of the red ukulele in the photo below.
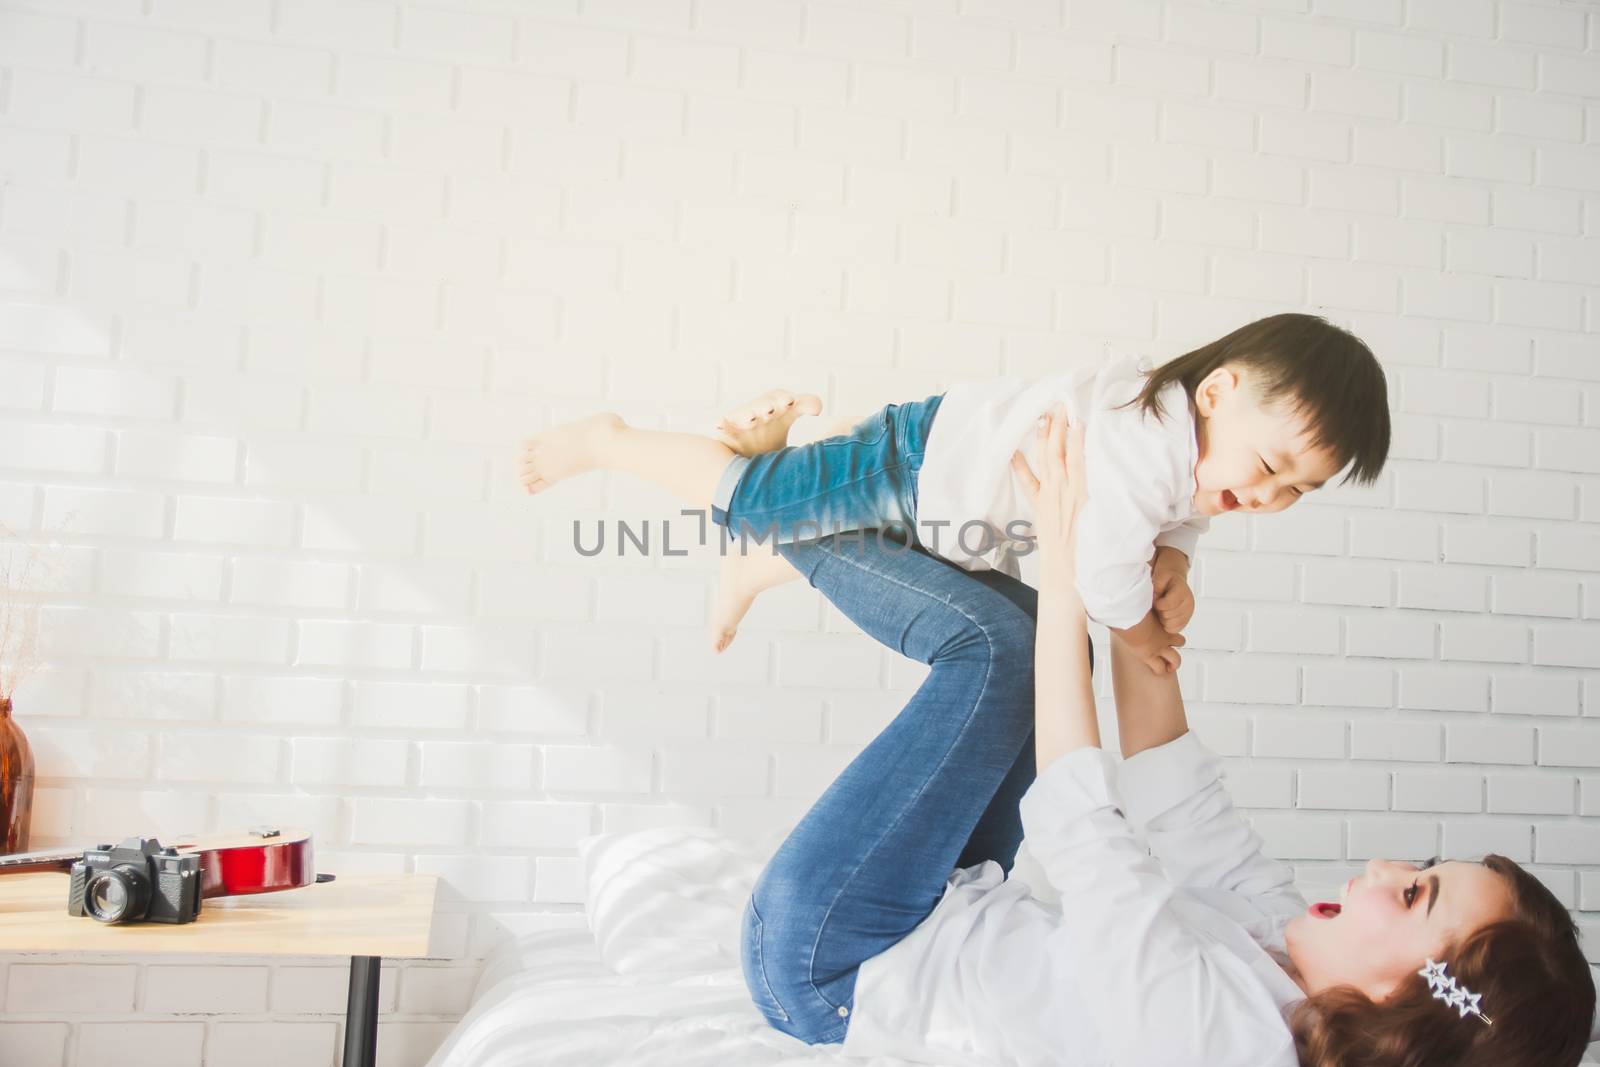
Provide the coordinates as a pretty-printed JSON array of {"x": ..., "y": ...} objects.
[{"x": 261, "y": 860}]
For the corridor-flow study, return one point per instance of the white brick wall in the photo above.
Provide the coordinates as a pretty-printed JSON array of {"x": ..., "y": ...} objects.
[{"x": 282, "y": 282}]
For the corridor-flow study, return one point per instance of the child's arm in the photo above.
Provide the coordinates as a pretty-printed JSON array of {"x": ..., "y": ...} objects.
[
  {"x": 1174, "y": 600},
  {"x": 1148, "y": 640}
]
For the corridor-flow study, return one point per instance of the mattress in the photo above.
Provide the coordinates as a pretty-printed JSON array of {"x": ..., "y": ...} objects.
[
  {"x": 550, "y": 999},
  {"x": 654, "y": 981}
]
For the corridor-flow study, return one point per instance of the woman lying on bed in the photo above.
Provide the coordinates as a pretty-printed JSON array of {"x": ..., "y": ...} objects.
[{"x": 1202, "y": 955}]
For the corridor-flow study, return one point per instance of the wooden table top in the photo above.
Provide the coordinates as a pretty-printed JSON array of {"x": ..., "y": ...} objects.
[{"x": 353, "y": 915}]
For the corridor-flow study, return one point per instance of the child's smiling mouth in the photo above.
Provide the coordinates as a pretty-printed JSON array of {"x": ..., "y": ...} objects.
[{"x": 1227, "y": 501}]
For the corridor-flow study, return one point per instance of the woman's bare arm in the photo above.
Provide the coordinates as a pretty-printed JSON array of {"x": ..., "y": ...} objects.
[
  {"x": 1149, "y": 706},
  {"x": 1064, "y": 715}
]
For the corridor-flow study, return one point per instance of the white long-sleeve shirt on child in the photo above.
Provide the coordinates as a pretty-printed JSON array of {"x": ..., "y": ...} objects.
[
  {"x": 1140, "y": 470},
  {"x": 1133, "y": 958}
]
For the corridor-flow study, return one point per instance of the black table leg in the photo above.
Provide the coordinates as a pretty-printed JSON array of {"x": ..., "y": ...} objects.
[{"x": 361, "y": 1014}]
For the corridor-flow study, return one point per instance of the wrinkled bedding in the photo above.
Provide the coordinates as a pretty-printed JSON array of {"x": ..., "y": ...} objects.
[
  {"x": 654, "y": 981},
  {"x": 549, "y": 999}
]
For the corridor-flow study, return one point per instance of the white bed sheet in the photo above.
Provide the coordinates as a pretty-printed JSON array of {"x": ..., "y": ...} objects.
[
  {"x": 655, "y": 980},
  {"x": 549, "y": 999}
]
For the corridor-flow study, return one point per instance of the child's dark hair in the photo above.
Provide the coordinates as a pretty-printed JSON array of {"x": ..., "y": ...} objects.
[
  {"x": 1529, "y": 970},
  {"x": 1329, "y": 375}
]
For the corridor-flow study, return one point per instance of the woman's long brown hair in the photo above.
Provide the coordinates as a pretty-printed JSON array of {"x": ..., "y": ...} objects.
[{"x": 1533, "y": 978}]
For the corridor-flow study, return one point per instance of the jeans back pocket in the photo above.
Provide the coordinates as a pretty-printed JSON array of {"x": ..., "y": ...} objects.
[{"x": 754, "y": 966}]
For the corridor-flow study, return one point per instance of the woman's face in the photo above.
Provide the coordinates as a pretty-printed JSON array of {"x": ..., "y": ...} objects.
[{"x": 1389, "y": 921}]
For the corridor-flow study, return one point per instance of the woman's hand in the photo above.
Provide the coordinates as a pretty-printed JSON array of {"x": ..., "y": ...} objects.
[{"x": 1059, "y": 491}]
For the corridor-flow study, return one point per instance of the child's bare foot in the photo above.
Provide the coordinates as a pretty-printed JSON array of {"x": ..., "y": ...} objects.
[
  {"x": 742, "y": 579},
  {"x": 762, "y": 424},
  {"x": 565, "y": 450}
]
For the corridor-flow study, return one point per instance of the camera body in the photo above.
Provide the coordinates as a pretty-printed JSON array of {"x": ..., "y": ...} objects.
[{"x": 136, "y": 881}]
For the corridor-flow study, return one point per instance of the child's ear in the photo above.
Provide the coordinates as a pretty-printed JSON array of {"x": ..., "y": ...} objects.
[{"x": 1214, "y": 388}]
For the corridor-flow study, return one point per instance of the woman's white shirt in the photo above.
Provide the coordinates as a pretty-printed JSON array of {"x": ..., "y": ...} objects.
[{"x": 1166, "y": 957}]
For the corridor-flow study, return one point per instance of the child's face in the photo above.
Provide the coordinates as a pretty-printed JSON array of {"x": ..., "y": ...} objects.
[{"x": 1253, "y": 456}]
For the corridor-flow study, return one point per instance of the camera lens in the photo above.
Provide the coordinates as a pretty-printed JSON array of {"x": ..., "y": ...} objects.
[{"x": 117, "y": 895}]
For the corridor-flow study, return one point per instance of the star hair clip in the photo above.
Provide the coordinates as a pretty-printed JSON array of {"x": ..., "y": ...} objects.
[{"x": 1456, "y": 996}]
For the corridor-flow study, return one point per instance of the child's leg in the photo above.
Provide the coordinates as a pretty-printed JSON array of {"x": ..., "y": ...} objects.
[
  {"x": 742, "y": 579},
  {"x": 687, "y": 465}
]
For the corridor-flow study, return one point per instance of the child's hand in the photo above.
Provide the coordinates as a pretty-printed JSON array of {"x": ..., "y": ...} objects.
[
  {"x": 1174, "y": 600},
  {"x": 1154, "y": 645}
]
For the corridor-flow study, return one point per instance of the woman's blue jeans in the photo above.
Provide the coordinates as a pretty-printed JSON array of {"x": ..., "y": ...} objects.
[{"x": 938, "y": 789}]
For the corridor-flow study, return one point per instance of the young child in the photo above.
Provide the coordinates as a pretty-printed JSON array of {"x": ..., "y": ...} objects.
[{"x": 1250, "y": 422}]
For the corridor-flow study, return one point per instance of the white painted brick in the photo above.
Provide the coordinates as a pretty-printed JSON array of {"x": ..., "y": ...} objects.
[
  {"x": 1470, "y": 838},
  {"x": 232, "y": 638},
  {"x": 1531, "y": 24},
  {"x": 1394, "y": 536},
  {"x": 1294, "y": 631},
  {"x": 337, "y": 761},
  {"x": 481, "y": 877},
  {"x": 359, "y": 525},
  {"x": 69, "y": 101},
  {"x": 62, "y": 987},
  {"x": 1530, "y": 794},
  {"x": 467, "y": 765},
  {"x": 1534, "y": 594},
  {"x": 1399, "y": 54},
  {"x": 141, "y": 53},
  {"x": 1567, "y": 548},
  {"x": 167, "y": 575},
  {"x": 1355, "y": 584},
  {"x": 1489, "y": 543},
  {"x": 1413, "y": 742},
  {"x": 177, "y": 989},
  {"x": 324, "y": 990},
  {"x": 297, "y": 465},
  {"x": 535, "y": 824},
  {"x": 1566, "y": 843},
  {"x": 177, "y": 456},
  {"x": 285, "y": 583},
  {"x": 218, "y": 757},
  {"x": 1535, "y": 402},
  {"x": 1444, "y": 688},
  {"x": 410, "y": 706},
  {"x": 1536, "y": 694},
  {"x": 1459, "y": 791},
  {"x": 1294, "y": 735},
  {"x": 1565, "y": 646},
  {"x": 1389, "y": 635},
  {"x": 1297, "y": 837},
  {"x": 309, "y": 701},
  {"x": 1257, "y": 178},
  {"x": 253, "y": 1044},
  {"x": 723, "y": 769},
  {"x": 142, "y": 1044},
  {"x": 1534, "y": 496},
  {"x": 74, "y": 632},
  {"x": 1479, "y": 743},
  {"x": 1344, "y": 789},
  {"x": 1483, "y": 640},
  {"x": 579, "y": 769},
  {"x": 1260, "y": 787},
  {"x": 1409, "y": 839},
  {"x": 1537, "y": 209},
  {"x": 400, "y": 821},
  {"x": 333, "y": 643},
  {"x": 44, "y": 1044},
  {"x": 1539, "y": 305},
  {"x": 103, "y": 511}
]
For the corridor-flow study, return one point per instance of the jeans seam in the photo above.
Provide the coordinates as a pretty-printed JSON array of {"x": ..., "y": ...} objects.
[
  {"x": 987, "y": 675},
  {"x": 832, "y": 489},
  {"x": 761, "y": 961}
]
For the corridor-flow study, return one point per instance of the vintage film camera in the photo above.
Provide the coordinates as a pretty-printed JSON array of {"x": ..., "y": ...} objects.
[{"x": 136, "y": 881}]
